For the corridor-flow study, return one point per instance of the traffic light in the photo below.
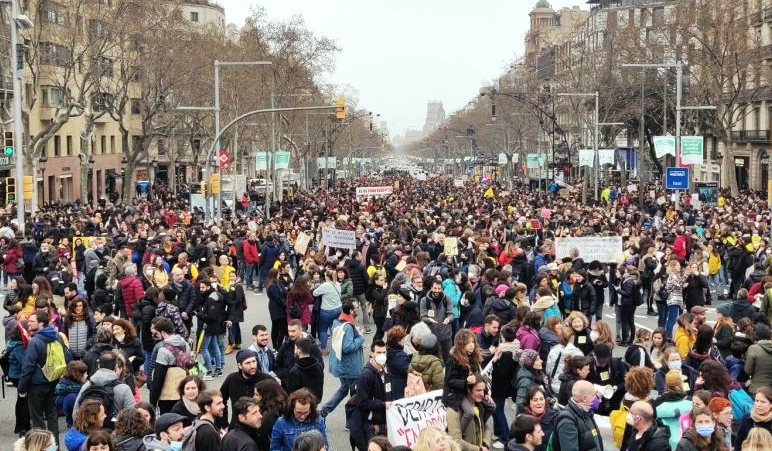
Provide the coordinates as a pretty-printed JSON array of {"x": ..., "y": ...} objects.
[
  {"x": 2, "y": 192},
  {"x": 10, "y": 190},
  {"x": 29, "y": 183},
  {"x": 214, "y": 183},
  {"x": 203, "y": 188},
  {"x": 340, "y": 109},
  {"x": 8, "y": 143}
]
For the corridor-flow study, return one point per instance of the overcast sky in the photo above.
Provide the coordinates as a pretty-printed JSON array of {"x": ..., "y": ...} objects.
[{"x": 400, "y": 54}]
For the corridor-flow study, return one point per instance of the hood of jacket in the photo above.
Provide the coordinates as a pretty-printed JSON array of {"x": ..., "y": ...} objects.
[
  {"x": 73, "y": 439},
  {"x": 127, "y": 280},
  {"x": 152, "y": 442},
  {"x": 47, "y": 334},
  {"x": 176, "y": 340},
  {"x": 306, "y": 363},
  {"x": 766, "y": 345},
  {"x": 543, "y": 303},
  {"x": 103, "y": 376},
  {"x": 66, "y": 386},
  {"x": 422, "y": 362}
]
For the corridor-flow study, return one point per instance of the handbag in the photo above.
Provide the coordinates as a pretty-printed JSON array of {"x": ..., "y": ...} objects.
[{"x": 415, "y": 384}]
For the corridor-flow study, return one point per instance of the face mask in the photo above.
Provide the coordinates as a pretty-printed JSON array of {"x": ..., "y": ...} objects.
[
  {"x": 53, "y": 447},
  {"x": 630, "y": 419},
  {"x": 120, "y": 337},
  {"x": 594, "y": 335},
  {"x": 175, "y": 446},
  {"x": 675, "y": 365},
  {"x": 705, "y": 430},
  {"x": 595, "y": 405},
  {"x": 380, "y": 359}
]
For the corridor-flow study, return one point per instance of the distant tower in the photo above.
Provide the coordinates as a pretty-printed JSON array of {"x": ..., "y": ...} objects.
[{"x": 435, "y": 115}]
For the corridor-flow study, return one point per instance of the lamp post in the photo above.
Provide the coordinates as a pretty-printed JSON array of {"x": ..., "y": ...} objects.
[
  {"x": 91, "y": 162},
  {"x": 42, "y": 163},
  {"x": 152, "y": 176},
  {"x": 124, "y": 161}
]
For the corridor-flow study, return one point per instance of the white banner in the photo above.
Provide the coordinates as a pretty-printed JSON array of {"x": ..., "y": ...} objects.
[
  {"x": 586, "y": 158},
  {"x": 374, "y": 190},
  {"x": 281, "y": 160},
  {"x": 692, "y": 150},
  {"x": 261, "y": 161},
  {"x": 502, "y": 158},
  {"x": 331, "y": 163},
  {"x": 606, "y": 249},
  {"x": 458, "y": 183},
  {"x": 344, "y": 239},
  {"x": 408, "y": 416},
  {"x": 664, "y": 145},
  {"x": 605, "y": 156}
]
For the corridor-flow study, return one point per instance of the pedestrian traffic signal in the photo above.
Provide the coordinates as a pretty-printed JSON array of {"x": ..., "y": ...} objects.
[
  {"x": 214, "y": 183},
  {"x": 340, "y": 109},
  {"x": 8, "y": 143},
  {"x": 10, "y": 190}
]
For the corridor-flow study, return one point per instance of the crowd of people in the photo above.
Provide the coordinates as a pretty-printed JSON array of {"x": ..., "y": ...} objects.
[{"x": 120, "y": 317}]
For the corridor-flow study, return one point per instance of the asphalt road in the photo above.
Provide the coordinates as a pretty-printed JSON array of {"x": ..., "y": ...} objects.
[{"x": 257, "y": 313}]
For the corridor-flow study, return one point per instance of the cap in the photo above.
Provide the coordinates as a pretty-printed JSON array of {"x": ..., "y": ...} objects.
[
  {"x": 673, "y": 378},
  {"x": 602, "y": 353},
  {"x": 501, "y": 288},
  {"x": 167, "y": 420},
  {"x": 724, "y": 309},
  {"x": 698, "y": 309},
  {"x": 244, "y": 354}
]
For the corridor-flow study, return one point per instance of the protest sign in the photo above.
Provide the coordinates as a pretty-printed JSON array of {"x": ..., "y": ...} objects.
[
  {"x": 408, "y": 416},
  {"x": 450, "y": 245},
  {"x": 302, "y": 242},
  {"x": 374, "y": 190},
  {"x": 344, "y": 239},
  {"x": 606, "y": 249}
]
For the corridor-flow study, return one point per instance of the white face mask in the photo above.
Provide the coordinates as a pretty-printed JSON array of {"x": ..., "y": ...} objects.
[
  {"x": 594, "y": 335},
  {"x": 380, "y": 359},
  {"x": 120, "y": 337}
]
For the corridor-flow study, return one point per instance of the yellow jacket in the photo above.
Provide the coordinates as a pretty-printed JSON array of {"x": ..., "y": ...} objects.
[
  {"x": 683, "y": 341},
  {"x": 714, "y": 264}
]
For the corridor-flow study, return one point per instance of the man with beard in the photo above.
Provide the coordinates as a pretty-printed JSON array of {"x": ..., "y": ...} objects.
[
  {"x": 242, "y": 382},
  {"x": 212, "y": 409},
  {"x": 265, "y": 355},
  {"x": 285, "y": 358},
  {"x": 437, "y": 310}
]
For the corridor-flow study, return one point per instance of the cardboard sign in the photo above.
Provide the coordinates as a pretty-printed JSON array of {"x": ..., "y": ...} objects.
[
  {"x": 451, "y": 246},
  {"x": 344, "y": 239},
  {"x": 406, "y": 417},
  {"x": 606, "y": 249},
  {"x": 545, "y": 213},
  {"x": 535, "y": 224},
  {"x": 301, "y": 243}
]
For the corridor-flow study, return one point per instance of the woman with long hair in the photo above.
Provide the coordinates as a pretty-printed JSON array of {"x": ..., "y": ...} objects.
[
  {"x": 331, "y": 294},
  {"x": 674, "y": 288},
  {"x": 79, "y": 327},
  {"x": 277, "y": 307},
  {"x": 69, "y": 386},
  {"x": 558, "y": 354},
  {"x": 25, "y": 299},
  {"x": 758, "y": 440},
  {"x": 300, "y": 294},
  {"x": 189, "y": 389},
  {"x": 35, "y": 440},
  {"x": 376, "y": 295},
  {"x": 724, "y": 330},
  {"x": 703, "y": 348},
  {"x": 658, "y": 345},
  {"x": 636, "y": 354},
  {"x": 130, "y": 428},
  {"x": 761, "y": 414},
  {"x": 273, "y": 403},
  {"x": 397, "y": 361},
  {"x": 464, "y": 362},
  {"x": 125, "y": 338},
  {"x": 433, "y": 438},
  {"x": 42, "y": 287},
  {"x": 703, "y": 435},
  {"x": 90, "y": 418},
  {"x": 600, "y": 332},
  {"x": 346, "y": 285}
]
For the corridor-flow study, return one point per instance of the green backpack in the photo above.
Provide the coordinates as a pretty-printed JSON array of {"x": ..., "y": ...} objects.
[{"x": 56, "y": 363}]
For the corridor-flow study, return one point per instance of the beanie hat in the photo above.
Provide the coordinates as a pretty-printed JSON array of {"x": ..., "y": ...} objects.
[
  {"x": 244, "y": 354},
  {"x": 428, "y": 342},
  {"x": 528, "y": 357},
  {"x": 673, "y": 378},
  {"x": 501, "y": 288},
  {"x": 716, "y": 405}
]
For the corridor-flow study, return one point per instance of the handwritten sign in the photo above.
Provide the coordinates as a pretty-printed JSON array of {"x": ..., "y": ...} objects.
[
  {"x": 302, "y": 242},
  {"x": 451, "y": 245},
  {"x": 605, "y": 249},
  {"x": 343, "y": 239},
  {"x": 545, "y": 213},
  {"x": 367, "y": 191},
  {"x": 405, "y": 418}
]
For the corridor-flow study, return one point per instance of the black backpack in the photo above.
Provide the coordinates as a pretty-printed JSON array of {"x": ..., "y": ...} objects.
[{"x": 105, "y": 394}]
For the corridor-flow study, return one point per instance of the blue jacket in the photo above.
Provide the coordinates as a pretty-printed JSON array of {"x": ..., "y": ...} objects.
[
  {"x": 74, "y": 439},
  {"x": 350, "y": 364},
  {"x": 35, "y": 358},
  {"x": 15, "y": 350},
  {"x": 286, "y": 431},
  {"x": 66, "y": 394}
]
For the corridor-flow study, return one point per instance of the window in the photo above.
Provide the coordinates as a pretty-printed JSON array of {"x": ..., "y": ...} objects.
[
  {"x": 102, "y": 101},
  {"x": 161, "y": 147},
  {"x": 68, "y": 149},
  {"x": 136, "y": 142},
  {"x": 112, "y": 143},
  {"x": 193, "y": 16},
  {"x": 55, "y": 13},
  {"x": 103, "y": 144},
  {"x": 57, "y": 146},
  {"x": 135, "y": 106},
  {"x": 97, "y": 30},
  {"x": 658, "y": 16},
  {"x": 104, "y": 67},
  {"x": 53, "y": 96},
  {"x": 53, "y": 54}
]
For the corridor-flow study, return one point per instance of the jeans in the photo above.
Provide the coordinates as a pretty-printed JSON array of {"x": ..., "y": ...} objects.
[
  {"x": 326, "y": 318},
  {"x": 618, "y": 318},
  {"x": 347, "y": 386},
  {"x": 672, "y": 314},
  {"x": 41, "y": 400},
  {"x": 248, "y": 274},
  {"x": 234, "y": 338},
  {"x": 500, "y": 424},
  {"x": 263, "y": 274},
  {"x": 148, "y": 355},
  {"x": 661, "y": 314},
  {"x": 628, "y": 323},
  {"x": 213, "y": 350}
]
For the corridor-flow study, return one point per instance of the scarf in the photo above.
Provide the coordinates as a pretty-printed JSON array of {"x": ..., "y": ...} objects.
[
  {"x": 758, "y": 418},
  {"x": 347, "y": 318},
  {"x": 192, "y": 406}
]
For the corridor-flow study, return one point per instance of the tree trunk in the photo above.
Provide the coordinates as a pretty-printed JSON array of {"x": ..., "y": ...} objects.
[{"x": 728, "y": 176}]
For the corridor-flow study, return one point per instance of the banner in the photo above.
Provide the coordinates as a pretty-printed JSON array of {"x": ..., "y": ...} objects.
[
  {"x": 344, "y": 239},
  {"x": 605, "y": 249},
  {"x": 261, "y": 161},
  {"x": 458, "y": 183},
  {"x": 374, "y": 190},
  {"x": 332, "y": 163},
  {"x": 691, "y": 150},
  {"x": 586, "y": 158},
  {"x": 605, "y": 156},
  {"x": 664, "y": 145},
  {"x": 281, "y": 159},
  {"x": 502, "y": 159},
  {"x": 532, "y": 160},
  {"x": 406, "y": 417}
]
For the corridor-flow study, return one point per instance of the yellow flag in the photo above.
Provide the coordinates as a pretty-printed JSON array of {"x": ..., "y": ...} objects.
[{"x": 489, "y": 192}]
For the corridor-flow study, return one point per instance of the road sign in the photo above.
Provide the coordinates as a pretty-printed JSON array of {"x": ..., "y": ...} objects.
[
  {"x": 225, "y": 159},
  {"x": 677, "y": 178}
]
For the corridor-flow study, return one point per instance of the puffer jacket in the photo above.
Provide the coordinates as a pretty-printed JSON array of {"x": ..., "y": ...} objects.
[
  {"x": 131, "y": 292},
  {"x": 502, "y": 308},
  {"x": 431, "y": 369},
  {"x": 758, "y": 365}
]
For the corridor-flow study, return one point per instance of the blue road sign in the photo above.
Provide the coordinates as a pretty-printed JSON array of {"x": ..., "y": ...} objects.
[{"x": 677, "y": 178}]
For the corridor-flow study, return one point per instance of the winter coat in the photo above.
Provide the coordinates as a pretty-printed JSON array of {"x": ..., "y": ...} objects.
[
  {"x": 585, "y": 298},
  {"x": 747, "y": 424},
  {"x": 214, "y": 313},
  {"x": 91, "y": 359},
  {"x": 123, "y": 397},
  {"x": 575, "y": 429},
  {"x": 131, "y": 292},
  {"x": 236, "y": 300},
  {"x": 240, "y": 437},
  {"x": 133, "y": 348},
  {"x": 502, "y": 386},
  {"x": 504, "y": 309},
  {"x": 358, "y": 276},
  {"x": 170, "y": 311},
  {"x": 529, "y": 338},
  {"x": 277, "y": 300},
  {"x": 695, "y": 359},
  {"x": 633, "y": 356},
  {"x": 694, "y": 292},
  {"x": 350, "y": 363},
  {"x": 477, "y": 430},
  {"x": 306, "y": 373},
  {"x": 758, "y": 365},
  {"x": 567, "y": 381},
  {"x": 547, "y": 306},
  {"x": 250, "y": 252},
  {"x": 431, "y": 369},
  {"x": 627, "y": 289},
  {"x": 556, "y": 361},
  {"x": 35, "y": 359},
  {"x": 656, "y": 438},
  {"x": 12, "y": 256},
  {"x": 186, "y": 297},
  {"x": 74, "y": 439},
  {"x": 285, "y": 358},
  {"x": 454, "y": 386},
  {"x": 377, "y": 296},
  {"x": 147, "y": 311},
  {"x": 66, "y": 393},
  {"x": 526, "y": 378},
  {"x": 683, "y": 341},
  {"x": 669, "y": 408},
  {"x": 548, "y": 340},
  {"x": 434, "y": 312},
  {"x": 397, "y": 362},
  {"x": 286, "y": 430},
  {"x": 371, "y": 394},
  {"x": 688, "y": 375},
  {"x": 740, "y": 308},
  {"x": 80, "y": 334}
]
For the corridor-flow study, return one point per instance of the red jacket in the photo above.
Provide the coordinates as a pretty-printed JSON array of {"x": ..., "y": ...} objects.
[
  {"x": 11, "y": 257},
  {"x": 679, "y": 247},
  {"x": 250, "y": 252},
  {"x": 132, "y": 291}
]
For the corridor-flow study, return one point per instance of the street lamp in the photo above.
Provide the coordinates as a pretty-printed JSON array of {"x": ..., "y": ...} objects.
[
  {"x": 42, "y": 163},
  {"x": 91, "y": 162},
  {"x": 20, "y": 22}
]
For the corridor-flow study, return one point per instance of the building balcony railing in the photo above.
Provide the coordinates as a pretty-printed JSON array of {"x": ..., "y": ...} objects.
[{"x": 751, "y": 136}]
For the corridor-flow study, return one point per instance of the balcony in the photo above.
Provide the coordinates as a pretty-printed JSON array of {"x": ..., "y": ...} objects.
[
  {"x": 768, "y": 14},
  {"x": 751, "y": 136}
]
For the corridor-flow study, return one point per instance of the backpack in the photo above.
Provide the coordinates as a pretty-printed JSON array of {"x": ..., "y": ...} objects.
[
  {"x": 182, "y": 357},
  {"x": 741, "y": 402},
  {"x": 415, "y": 384},
  {"x": 56, "y": 363},
  {"x": 637, "y": 296},
  {"x": 189, "y": 439},
  {"x": 104, "y": 393},
  {"x": 618, "y": 422},
  {"x": 294, "y": 310},
  {"x": 554, "y": 442}
]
